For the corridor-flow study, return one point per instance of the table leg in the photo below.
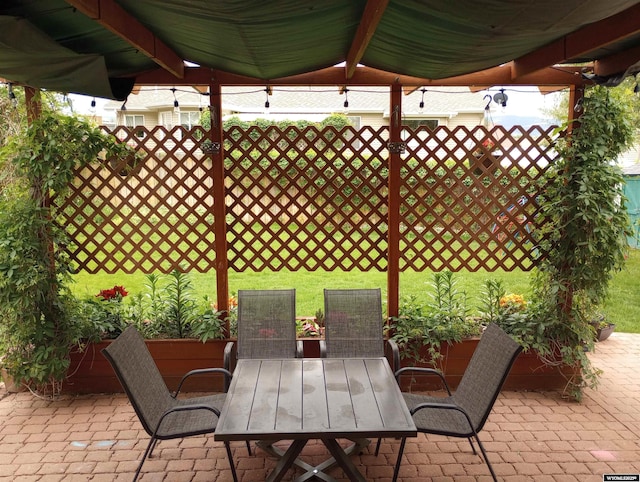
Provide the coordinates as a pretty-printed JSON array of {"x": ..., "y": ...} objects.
[
  {"x": 310, "y": 470},
  {"x": 287, "y": 460},
  {"x": 342, "y": 458},
  {"x": 317, "y": 471}
]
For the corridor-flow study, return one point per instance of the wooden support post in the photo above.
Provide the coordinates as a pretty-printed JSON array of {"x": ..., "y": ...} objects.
[
  {"x": 216, "y": 137},
  {"x": 33, "y": 102},
  {"x": 576, "y": 96},
  {"x": 396, "y": 148}
]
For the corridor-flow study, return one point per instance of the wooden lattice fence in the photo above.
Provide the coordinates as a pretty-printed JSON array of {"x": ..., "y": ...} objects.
[{"x": 311, "y": 199}]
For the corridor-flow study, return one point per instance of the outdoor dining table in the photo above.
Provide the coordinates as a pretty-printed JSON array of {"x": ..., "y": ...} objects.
[{"x": 302, "y": 399}]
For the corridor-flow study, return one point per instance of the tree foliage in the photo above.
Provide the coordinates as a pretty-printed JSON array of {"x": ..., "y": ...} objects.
[{"x": 336, "y": 120}]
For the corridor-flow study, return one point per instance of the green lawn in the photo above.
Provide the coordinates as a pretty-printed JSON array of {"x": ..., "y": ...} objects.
[{"x": 623, "y": 307}]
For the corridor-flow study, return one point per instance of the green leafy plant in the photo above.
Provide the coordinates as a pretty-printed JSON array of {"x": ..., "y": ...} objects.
[
  {"x": 444, "y": 319},
  {"x": 181, "y": 305},
  {"x": 166, "y": 309},
  {"x": 210, "y": 324},
  {"x": 584, "y": 240},
  {"x": 38, "y": 314}
]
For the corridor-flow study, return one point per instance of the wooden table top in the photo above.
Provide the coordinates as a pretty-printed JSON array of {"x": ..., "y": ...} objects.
[{"x": 313, "y": 398}]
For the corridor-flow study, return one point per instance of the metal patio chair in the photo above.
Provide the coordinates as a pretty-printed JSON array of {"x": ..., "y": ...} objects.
[
  {"x": 266, "y": 327},
  {"x": 464, "y": 413},
  {"x": 161, "y": 413},
  {"x": 353, "y": 326}
]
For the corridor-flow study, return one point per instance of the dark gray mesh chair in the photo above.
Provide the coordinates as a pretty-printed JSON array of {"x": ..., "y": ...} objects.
[
  {"x": 353, "y": 326},
  {"x": 162, "y": 415},
  {"x": 464, "y": 413},
  {"x": 266, "y": 327}
]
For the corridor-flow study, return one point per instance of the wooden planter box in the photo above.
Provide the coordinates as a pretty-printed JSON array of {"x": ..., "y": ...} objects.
[
  {"x": 528, "y": 371},
  {"x": 90, "y": 372}
]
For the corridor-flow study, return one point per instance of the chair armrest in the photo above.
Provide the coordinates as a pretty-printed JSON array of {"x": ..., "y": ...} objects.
[
  {"x": 202, "y": 371},
  {"x": 393, "y": 353},
  {"x": 426, "y": 371},
  {"x": 323, "y": 349},
  {"x": 299, "y": 349},
  {"x": 229, "y": 358}
]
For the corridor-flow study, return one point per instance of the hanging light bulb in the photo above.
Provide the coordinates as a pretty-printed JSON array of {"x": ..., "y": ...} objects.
[
  {"x": 93, "y": 103},
  {"x": 176, "y": 105},
  {"x": 346, "y": 99},
  {"x": 266, "y": 103},
  {"x": 422, "y": 100}
]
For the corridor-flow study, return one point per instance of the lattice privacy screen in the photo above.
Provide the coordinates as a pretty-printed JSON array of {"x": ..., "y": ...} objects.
[{"x": 311, "y": 199}]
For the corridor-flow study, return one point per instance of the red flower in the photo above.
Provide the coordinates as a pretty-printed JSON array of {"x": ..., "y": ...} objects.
[{"x": 117, "y": 292}]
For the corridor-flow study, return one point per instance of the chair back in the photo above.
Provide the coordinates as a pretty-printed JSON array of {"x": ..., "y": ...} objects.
[
  {"x": 487, "y": 370},
  {"x": 137, "y": 372},
  {"x": 266, "y": 323},
  {"x": 353, "y": 323}
]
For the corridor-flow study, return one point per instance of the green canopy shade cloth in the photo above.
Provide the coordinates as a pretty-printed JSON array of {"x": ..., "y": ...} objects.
[
  {"x": 58, "y": 47},
  {"x": 30, "y": 57}
]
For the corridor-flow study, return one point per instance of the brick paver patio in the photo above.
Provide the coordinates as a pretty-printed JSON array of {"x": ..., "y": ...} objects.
[{"x": 529, "y": 436}]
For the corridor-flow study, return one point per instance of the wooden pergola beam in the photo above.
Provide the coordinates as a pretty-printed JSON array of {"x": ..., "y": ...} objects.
[
  {"x": 586, "y": 39},
  {"x": 114, "y": 18},
  {"x": 616, "y": 63},
  {"x": 367, "y": 76},
  {"x": 371, "y": 17}
]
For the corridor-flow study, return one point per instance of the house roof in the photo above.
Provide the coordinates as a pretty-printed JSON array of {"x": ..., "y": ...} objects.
[
  {"x": 631, "y": 170},
  {"x": 441, "y": 102},
  {"x": 103, "y": 47}
]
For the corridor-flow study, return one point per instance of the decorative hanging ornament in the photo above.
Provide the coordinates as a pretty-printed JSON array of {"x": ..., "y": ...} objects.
[{"x": 501, "y": 98}]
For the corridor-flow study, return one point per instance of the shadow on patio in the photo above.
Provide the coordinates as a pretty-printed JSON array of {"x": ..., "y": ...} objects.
[{"x": 529, "y": 436}]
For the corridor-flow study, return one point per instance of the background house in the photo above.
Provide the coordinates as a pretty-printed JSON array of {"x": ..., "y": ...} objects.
[
  {"x": 632, "y": 193},
  {"x": 366, "y": 106}
]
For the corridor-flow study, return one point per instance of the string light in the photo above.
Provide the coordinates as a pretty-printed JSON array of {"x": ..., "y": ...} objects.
[
  {"x": 422, "y": 99},
  {"x": 93, "y": 103},
  {"x": 176, "y": 105},
  {"x": 500, "y": 98}
]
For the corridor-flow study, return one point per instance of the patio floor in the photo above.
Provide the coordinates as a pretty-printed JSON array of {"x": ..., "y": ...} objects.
[{"x": 529, "y": 436}]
